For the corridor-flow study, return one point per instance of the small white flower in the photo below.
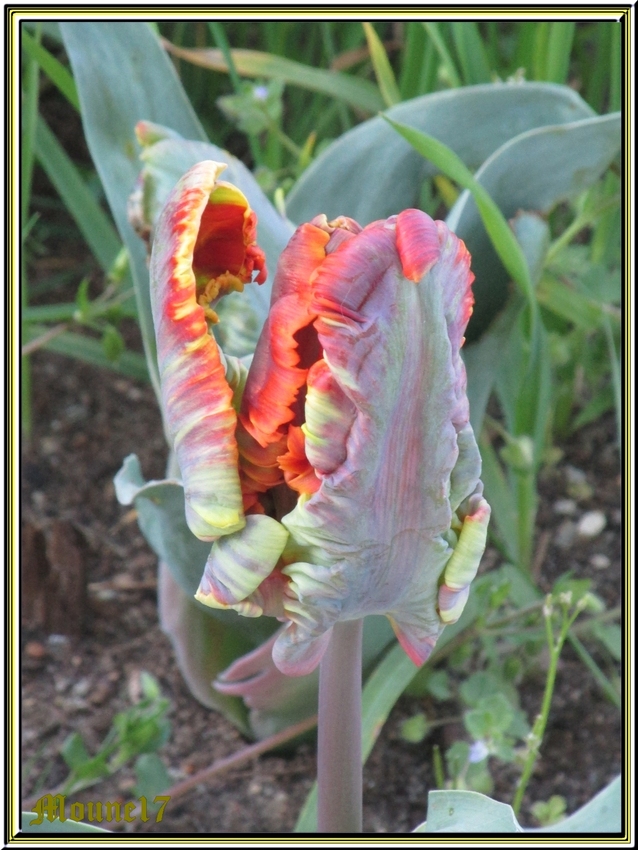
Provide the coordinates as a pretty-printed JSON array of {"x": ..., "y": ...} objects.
[{"x": 478, "y": 751}]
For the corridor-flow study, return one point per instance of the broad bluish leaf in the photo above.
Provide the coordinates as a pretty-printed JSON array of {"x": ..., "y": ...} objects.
[
  {"x": 470, "y": 812},
  {"x": 370, "y": 172},
  {"x": 123, "y": 76},
  {"x": 467, "y": 811},
  {"x": 203, "y": 646},
  {"x": 160, "y": 507},
  {"x": 57, "y": 825},
  {"x": 532, "y": 172}
]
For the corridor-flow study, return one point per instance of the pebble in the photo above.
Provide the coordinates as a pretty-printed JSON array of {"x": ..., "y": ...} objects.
[
  {"x": 76, "y": 412},
  {"x": 565, "y": 507},
  {"x": 35, "y": 649},
  {"x": 600, "y": 561},
  {"x": 577, "y": 486},
  {"x": 49, "y": 445},
  {"x": 591, "y": 524},
  {"x": 81, "y": 688},
  {"x": 39, "y": 499},
  {"x": 565, "y": 534}
]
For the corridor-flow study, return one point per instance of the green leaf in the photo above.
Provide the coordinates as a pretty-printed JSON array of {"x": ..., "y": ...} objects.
[
  {"x": 610, "y": 635},
  {"x": 524, "y": 386},
  {"x": 474, "y": 122},
  {"x": 600, "y": 403},
  {"x": 498, "y": 493},
  {"x": 56, "y": 825},
  {"x": 559, "y": 51},
  {"x": 74, "y": 751},
  {"x": 491, "y": 717},
  {"x": 449, "y": 68},
  {"x": 204, "y": 646},
  {"x": 160, "y": 510},
  {"x": 560, "y": 162},
  {"x": 415, "y": 729},
  {"x": 122, "y": 75},
  {"x": 601, "y": 814},
  {"x": 483, "y": 359},
  {"x": 382, "y": 68},
  {"x": 568, "y": 303},
  {"x": 550, "y": 811},
  {"x": 503, "y": 240},
  {"x": 467, "y": 811},
  {"x": 471, "y": 53},
  {"x": 52, "y": 67},
  {"x": 88, "y": 350},
  {"x": 94, "y": 225},
  {"x": 359, "y": 93},
  {"x": 152, "y": 776},
  {"x": 112, "y": 343}
]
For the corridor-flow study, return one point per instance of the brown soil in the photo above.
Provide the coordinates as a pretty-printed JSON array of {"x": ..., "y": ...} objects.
[{"x": 85, "y": 422}]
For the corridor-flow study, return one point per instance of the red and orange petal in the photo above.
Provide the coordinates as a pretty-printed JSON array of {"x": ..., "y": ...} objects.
[
  {"x": 196, "y": 397},
  {"x": 298, "y": 473},
  {"x": 417, "y": 239},
  {"x": 280, "y": 364}
]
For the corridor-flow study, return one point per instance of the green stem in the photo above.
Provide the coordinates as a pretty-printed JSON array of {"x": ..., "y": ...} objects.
[
  {"x": 579, "y": 223},
  {"x": 526, "y": 507},
  {"x": 217, "y": 31},
  {"x": 538, "y": 730},
  {"x": 339, "y": 770}
]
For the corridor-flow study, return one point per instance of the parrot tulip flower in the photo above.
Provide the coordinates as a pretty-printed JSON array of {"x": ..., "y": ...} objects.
[{"x": 337, "y": 476}]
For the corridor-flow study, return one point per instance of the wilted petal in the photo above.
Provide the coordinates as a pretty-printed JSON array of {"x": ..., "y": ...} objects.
[{"x": 203, "y": 247}]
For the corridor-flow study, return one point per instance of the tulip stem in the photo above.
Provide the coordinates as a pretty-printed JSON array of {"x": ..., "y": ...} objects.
[{"x": 339, "y": 763}]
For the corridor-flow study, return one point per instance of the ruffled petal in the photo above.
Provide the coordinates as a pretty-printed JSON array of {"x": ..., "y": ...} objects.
[
  {"x": 203, "y": 247},
  {"x": 299, "y": 648},
  {"x": 381, "y": 518},
  {"x": 278, "y": 372},
  {"x": 329, "y": 417}
]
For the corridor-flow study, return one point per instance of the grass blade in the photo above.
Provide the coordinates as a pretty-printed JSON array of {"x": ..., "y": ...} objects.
[
  {"x": 501, "y": 499},
  {"x": 415, "y": 56},
  {"x": 559, "y": 49},
  {"x": 90, "y": 351},
  {"x": 599, "y": 677},
  {"x": 94, "y": 225},
  {"x": 361, "y": 94},
  {"x": 495, "y": 224},
  {"x": 616, "y": 379},
  {"x": 382, "y": 68},
  {"x": 53, "y": 68},
  {"x": 471, "y": 53},
  {"x": 615, "y": 91},
  {"x": 438, "y": 41}
]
